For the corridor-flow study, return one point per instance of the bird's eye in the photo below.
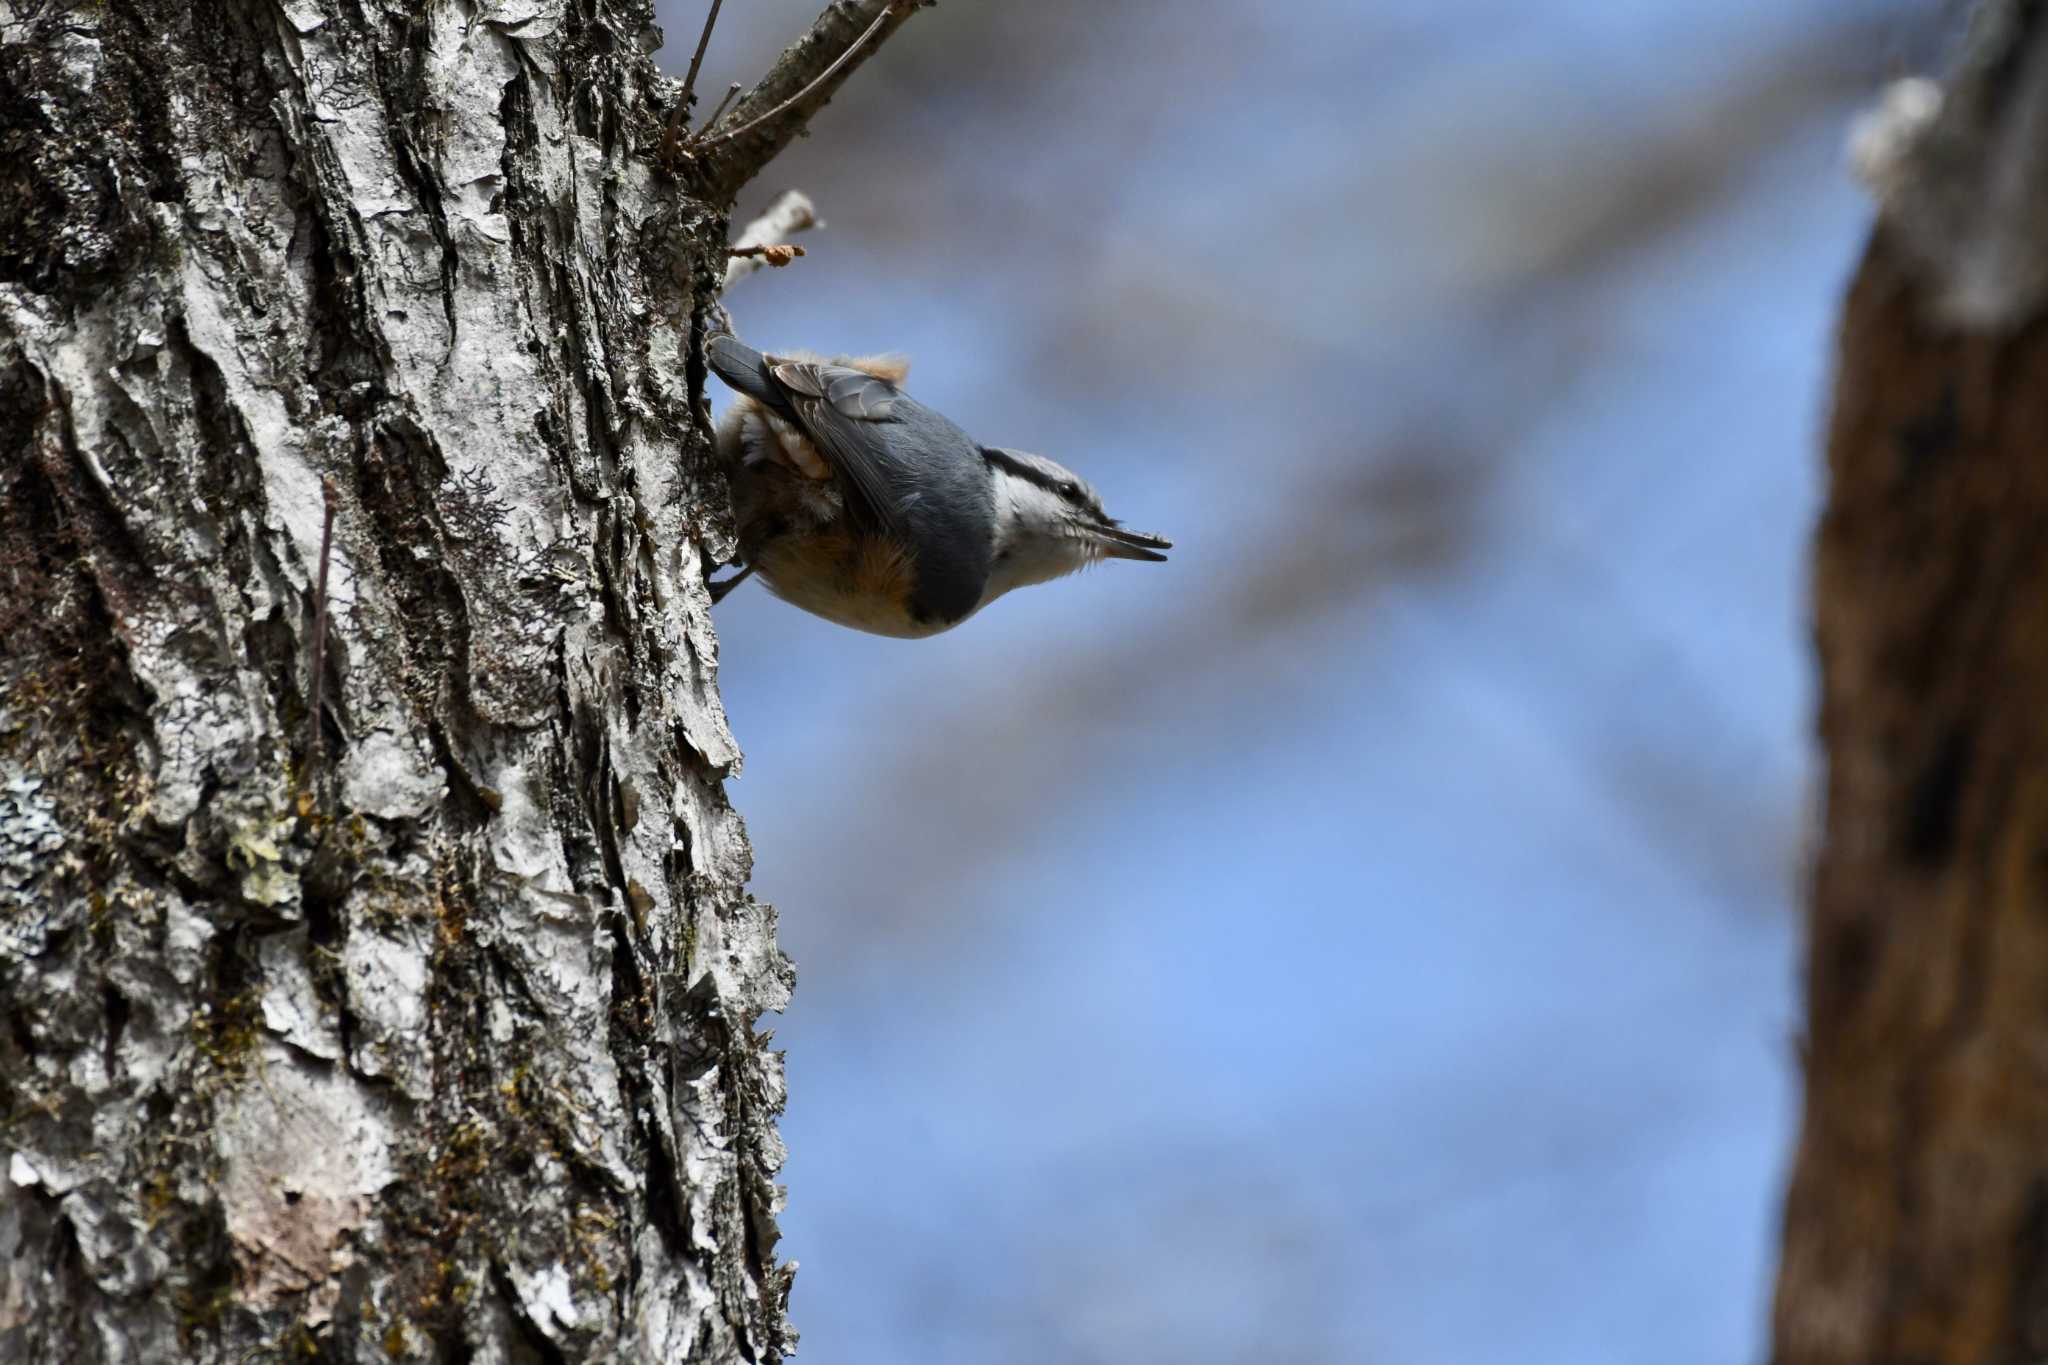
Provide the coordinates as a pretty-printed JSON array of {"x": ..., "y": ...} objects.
[{"x": 1070, "y": 489}]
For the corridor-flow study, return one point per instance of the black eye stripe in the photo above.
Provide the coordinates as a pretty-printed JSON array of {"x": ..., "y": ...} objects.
[{"x": 1031, "y": 473}]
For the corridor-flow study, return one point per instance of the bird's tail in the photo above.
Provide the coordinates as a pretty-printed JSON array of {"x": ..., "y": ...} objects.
[{"x": 744, "y": 369}]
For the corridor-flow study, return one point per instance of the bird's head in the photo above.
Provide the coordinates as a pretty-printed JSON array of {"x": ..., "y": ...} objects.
[{"x": 1049, "y": 522}]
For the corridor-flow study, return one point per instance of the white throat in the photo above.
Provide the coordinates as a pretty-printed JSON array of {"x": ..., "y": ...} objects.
[{"x": 1035, "y": 540}]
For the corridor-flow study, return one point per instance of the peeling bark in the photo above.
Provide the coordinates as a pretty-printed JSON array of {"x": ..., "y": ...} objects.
[
  {"x": 438, "y": 1045},
  {"x": 1917, "y": 1221}
]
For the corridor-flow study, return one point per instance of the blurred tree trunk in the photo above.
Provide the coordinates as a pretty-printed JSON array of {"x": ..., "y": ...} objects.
[
  {"x": 1917, "y": 1221},
  {"x": 429, "y": 1038}
]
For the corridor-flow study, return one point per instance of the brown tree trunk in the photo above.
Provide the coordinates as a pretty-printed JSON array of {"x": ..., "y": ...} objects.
[
  {"x": 377, "y": 977},
  {"x": 1917, "y": 1221}
]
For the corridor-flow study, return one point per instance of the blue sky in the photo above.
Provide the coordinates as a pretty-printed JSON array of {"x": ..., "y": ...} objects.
[{"x": 1373, "y": 935}]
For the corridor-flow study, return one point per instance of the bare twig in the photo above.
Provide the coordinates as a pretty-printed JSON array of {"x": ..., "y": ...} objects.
[
  {"x": 697, "y": 57},
  {"x": 682, "y": 109},
  {"x": 817, "y": 81},
  {"x": 797, "y": 86},
  {"x": 732, "y": 92},
  {"x": 791, "y": 214},
  {"x": 777, "y": 254},
  {"x": 317, "y": 650}
]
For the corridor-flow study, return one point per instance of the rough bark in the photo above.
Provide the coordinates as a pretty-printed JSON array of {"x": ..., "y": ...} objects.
[
  {"x": 405, "y": 1010},
  {"x": 1917, "y": 1221}
]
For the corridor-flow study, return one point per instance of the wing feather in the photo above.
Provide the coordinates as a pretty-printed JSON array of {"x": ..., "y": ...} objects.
[{"x": 833, "y": 403}]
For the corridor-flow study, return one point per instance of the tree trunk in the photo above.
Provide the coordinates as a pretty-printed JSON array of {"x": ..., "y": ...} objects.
[
  {"x": 377, "y": 972},
  {"x": 1917, "y": 1222}
]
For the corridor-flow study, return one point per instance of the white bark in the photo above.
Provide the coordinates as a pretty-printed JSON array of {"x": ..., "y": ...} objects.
[{"x": 441, "y": 1046}]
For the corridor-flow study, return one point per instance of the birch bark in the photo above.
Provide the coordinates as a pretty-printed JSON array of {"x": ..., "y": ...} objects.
[{"x": 432, "y": 1037}]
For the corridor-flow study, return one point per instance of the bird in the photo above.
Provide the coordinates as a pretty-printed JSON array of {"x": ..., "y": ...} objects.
[{"x": 859, "y": 504}]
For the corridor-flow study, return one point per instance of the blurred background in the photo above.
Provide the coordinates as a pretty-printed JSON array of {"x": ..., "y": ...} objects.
[{"x": 1372, "y": 936}]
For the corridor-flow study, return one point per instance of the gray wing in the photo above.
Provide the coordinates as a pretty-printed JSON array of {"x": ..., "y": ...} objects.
[
  {"x": 837, "y": 405},
  {"x": 924, "y": 477},
  {"x": 852, "y": 393}
]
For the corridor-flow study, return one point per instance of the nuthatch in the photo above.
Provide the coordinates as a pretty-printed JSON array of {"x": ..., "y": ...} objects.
[{"x": 860, "y": 504}]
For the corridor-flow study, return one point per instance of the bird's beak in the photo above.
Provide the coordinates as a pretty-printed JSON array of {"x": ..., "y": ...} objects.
[{"x": 1114, "y": 542}]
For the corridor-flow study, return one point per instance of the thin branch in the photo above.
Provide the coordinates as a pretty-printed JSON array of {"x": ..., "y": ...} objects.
[
  {"x": 732, "y": 92},
  {"x": 777, "y": 254},
  {"x": 847, "y": 33},
  {"x": 792, "y": 213},
  {"x": 682, "y": 109},
  {"x": 697, "y": 57},
  {"x": 819, "y": 80}
]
